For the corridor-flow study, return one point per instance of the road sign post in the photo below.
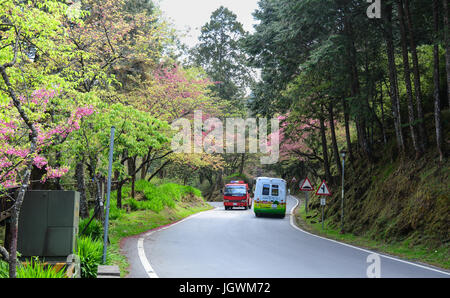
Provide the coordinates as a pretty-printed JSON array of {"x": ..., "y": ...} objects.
[
  {"x": 322, "y": 216},
  {"x": 306, "y": 202},
  {"x": 323, "y": 191},
  {"x": 323, "y": 203},
  {"x": 292, "y": 183}
]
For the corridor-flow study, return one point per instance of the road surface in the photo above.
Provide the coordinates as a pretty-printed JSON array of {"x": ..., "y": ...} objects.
[{"x": 236, "y": 244}]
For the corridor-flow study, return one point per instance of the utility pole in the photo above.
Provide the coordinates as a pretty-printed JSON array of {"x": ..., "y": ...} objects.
[
  {"x": 343, "y": 153},
  {"x": 105, "y": 236}
]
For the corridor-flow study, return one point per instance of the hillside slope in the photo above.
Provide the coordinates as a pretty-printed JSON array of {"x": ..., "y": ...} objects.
[
  {"x": 395, "y": 201},
  {"x": 405, "y": 200}
]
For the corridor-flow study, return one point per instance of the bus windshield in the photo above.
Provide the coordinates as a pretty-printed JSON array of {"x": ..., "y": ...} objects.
[{"x": 235, "y": 191}]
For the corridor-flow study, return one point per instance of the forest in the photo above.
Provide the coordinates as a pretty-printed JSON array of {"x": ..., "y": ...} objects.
[{"x": 325, "y": 64}]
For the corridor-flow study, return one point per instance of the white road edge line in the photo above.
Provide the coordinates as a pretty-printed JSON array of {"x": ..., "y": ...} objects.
[
  {"x": 140, "y": 245},
  {"x": 144, "y": 261},
  {"x": 355, "y": 247}
]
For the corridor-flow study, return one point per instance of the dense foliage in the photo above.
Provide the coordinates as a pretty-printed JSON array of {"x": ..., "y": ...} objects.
[{"x": 325, "y": 64}]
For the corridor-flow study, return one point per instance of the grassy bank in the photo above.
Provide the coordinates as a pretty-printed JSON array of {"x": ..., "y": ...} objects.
[
  {"x": 397, "y": 204},
  {"x": 153, "y": 206},
  {"x": 311, "y": 222}
]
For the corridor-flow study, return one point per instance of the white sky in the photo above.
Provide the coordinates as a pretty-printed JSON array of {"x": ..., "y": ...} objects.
[{"x": 193, "y": 14}]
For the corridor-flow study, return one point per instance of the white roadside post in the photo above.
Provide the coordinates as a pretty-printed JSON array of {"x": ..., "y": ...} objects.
[{"x": 306, "y": 202}]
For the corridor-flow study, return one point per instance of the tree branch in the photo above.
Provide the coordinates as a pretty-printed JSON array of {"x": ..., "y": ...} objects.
[
  {"x": 4, "y": 253},
  {"x": 157, "y": 171},
  {"x": 16, "y": 46}
]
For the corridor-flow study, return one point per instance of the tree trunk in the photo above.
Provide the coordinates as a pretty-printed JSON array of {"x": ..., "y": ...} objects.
[
  {"x": 422, "y": 140},
  {"x": 241, "y": 169},
  {"x": 132, "y": 173},
  {"x": 326, "y": 165},
  {"x": 25, "y": 181},
  {"x": 383, "y": 129},
  {"x": 219, "y": 180},
  {"x": 58, "y": 164},
  {"x": 347, "y": 129},
  {"x": 447, "y": 48},
  {"x": 145, "y": 168},
  {"x": 99, "y": 206},
  {"x": 81, "y": 187},
  {"x": 437, "y": 101},
  {"x": 355, "y": 89},
  {"x": 393, "y": 79},
  {"x": 119, "y": 193},
  {"x": 14, "y": 219},
  {"x": 333, "y": 138},
  {"x": 407, "y": 75},
  {"x": 210, "y": 179}
]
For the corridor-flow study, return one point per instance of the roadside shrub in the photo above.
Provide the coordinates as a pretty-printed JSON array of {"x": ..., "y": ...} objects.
[
  {"x": 4, "y": 269},
  {"x": 114, "y": 212},
  {"x": 90, "y": 252},
  {"x": 133, "y": 204},
  {"x": 192, "y": 190},
  {"x": 141, "y": 185},
  {"x": 35, "y": 269},
  {"x": 94, "y": 230},
  {"x": 158, "y": 197}
]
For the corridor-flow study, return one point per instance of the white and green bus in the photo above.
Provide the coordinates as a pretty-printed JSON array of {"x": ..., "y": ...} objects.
[{"x": 270, "y": 196}]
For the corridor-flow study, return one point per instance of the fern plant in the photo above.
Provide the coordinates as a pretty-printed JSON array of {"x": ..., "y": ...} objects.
[
  {"x": 36, "y": 269},
  {"x": 90, "y": 252}
]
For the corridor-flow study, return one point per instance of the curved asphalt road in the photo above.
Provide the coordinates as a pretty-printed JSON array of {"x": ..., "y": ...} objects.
[{"x": 236, "y": 244}]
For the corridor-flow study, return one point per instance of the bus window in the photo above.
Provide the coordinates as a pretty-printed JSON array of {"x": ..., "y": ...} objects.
[
  {"x": 275, "y": 190},
  {"x": 266, "y": 190}
]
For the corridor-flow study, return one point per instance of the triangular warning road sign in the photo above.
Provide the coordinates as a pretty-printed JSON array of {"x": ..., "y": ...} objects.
[
  {"x": 323, "y": 190},
  {"x": 306, "y": 185}
]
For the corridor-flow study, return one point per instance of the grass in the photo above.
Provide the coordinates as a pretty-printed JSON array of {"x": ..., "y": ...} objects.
[
  {"x": 90, "y": 252},
  {"x": 33, "y": 268},
  {"x": 154, "y": 206},
  {"x": 438, "y": 257}
]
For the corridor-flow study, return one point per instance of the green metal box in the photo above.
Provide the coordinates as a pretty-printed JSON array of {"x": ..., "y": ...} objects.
[{"x": 48, "y": 224}]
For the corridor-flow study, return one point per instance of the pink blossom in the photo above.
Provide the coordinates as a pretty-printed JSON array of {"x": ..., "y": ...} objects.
[
  {"x": 40, "y": 162},
  {"x": 11, "y": 134},
  {"x": 53, "y": 173},
  {"x": 17, "y": 152}
]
